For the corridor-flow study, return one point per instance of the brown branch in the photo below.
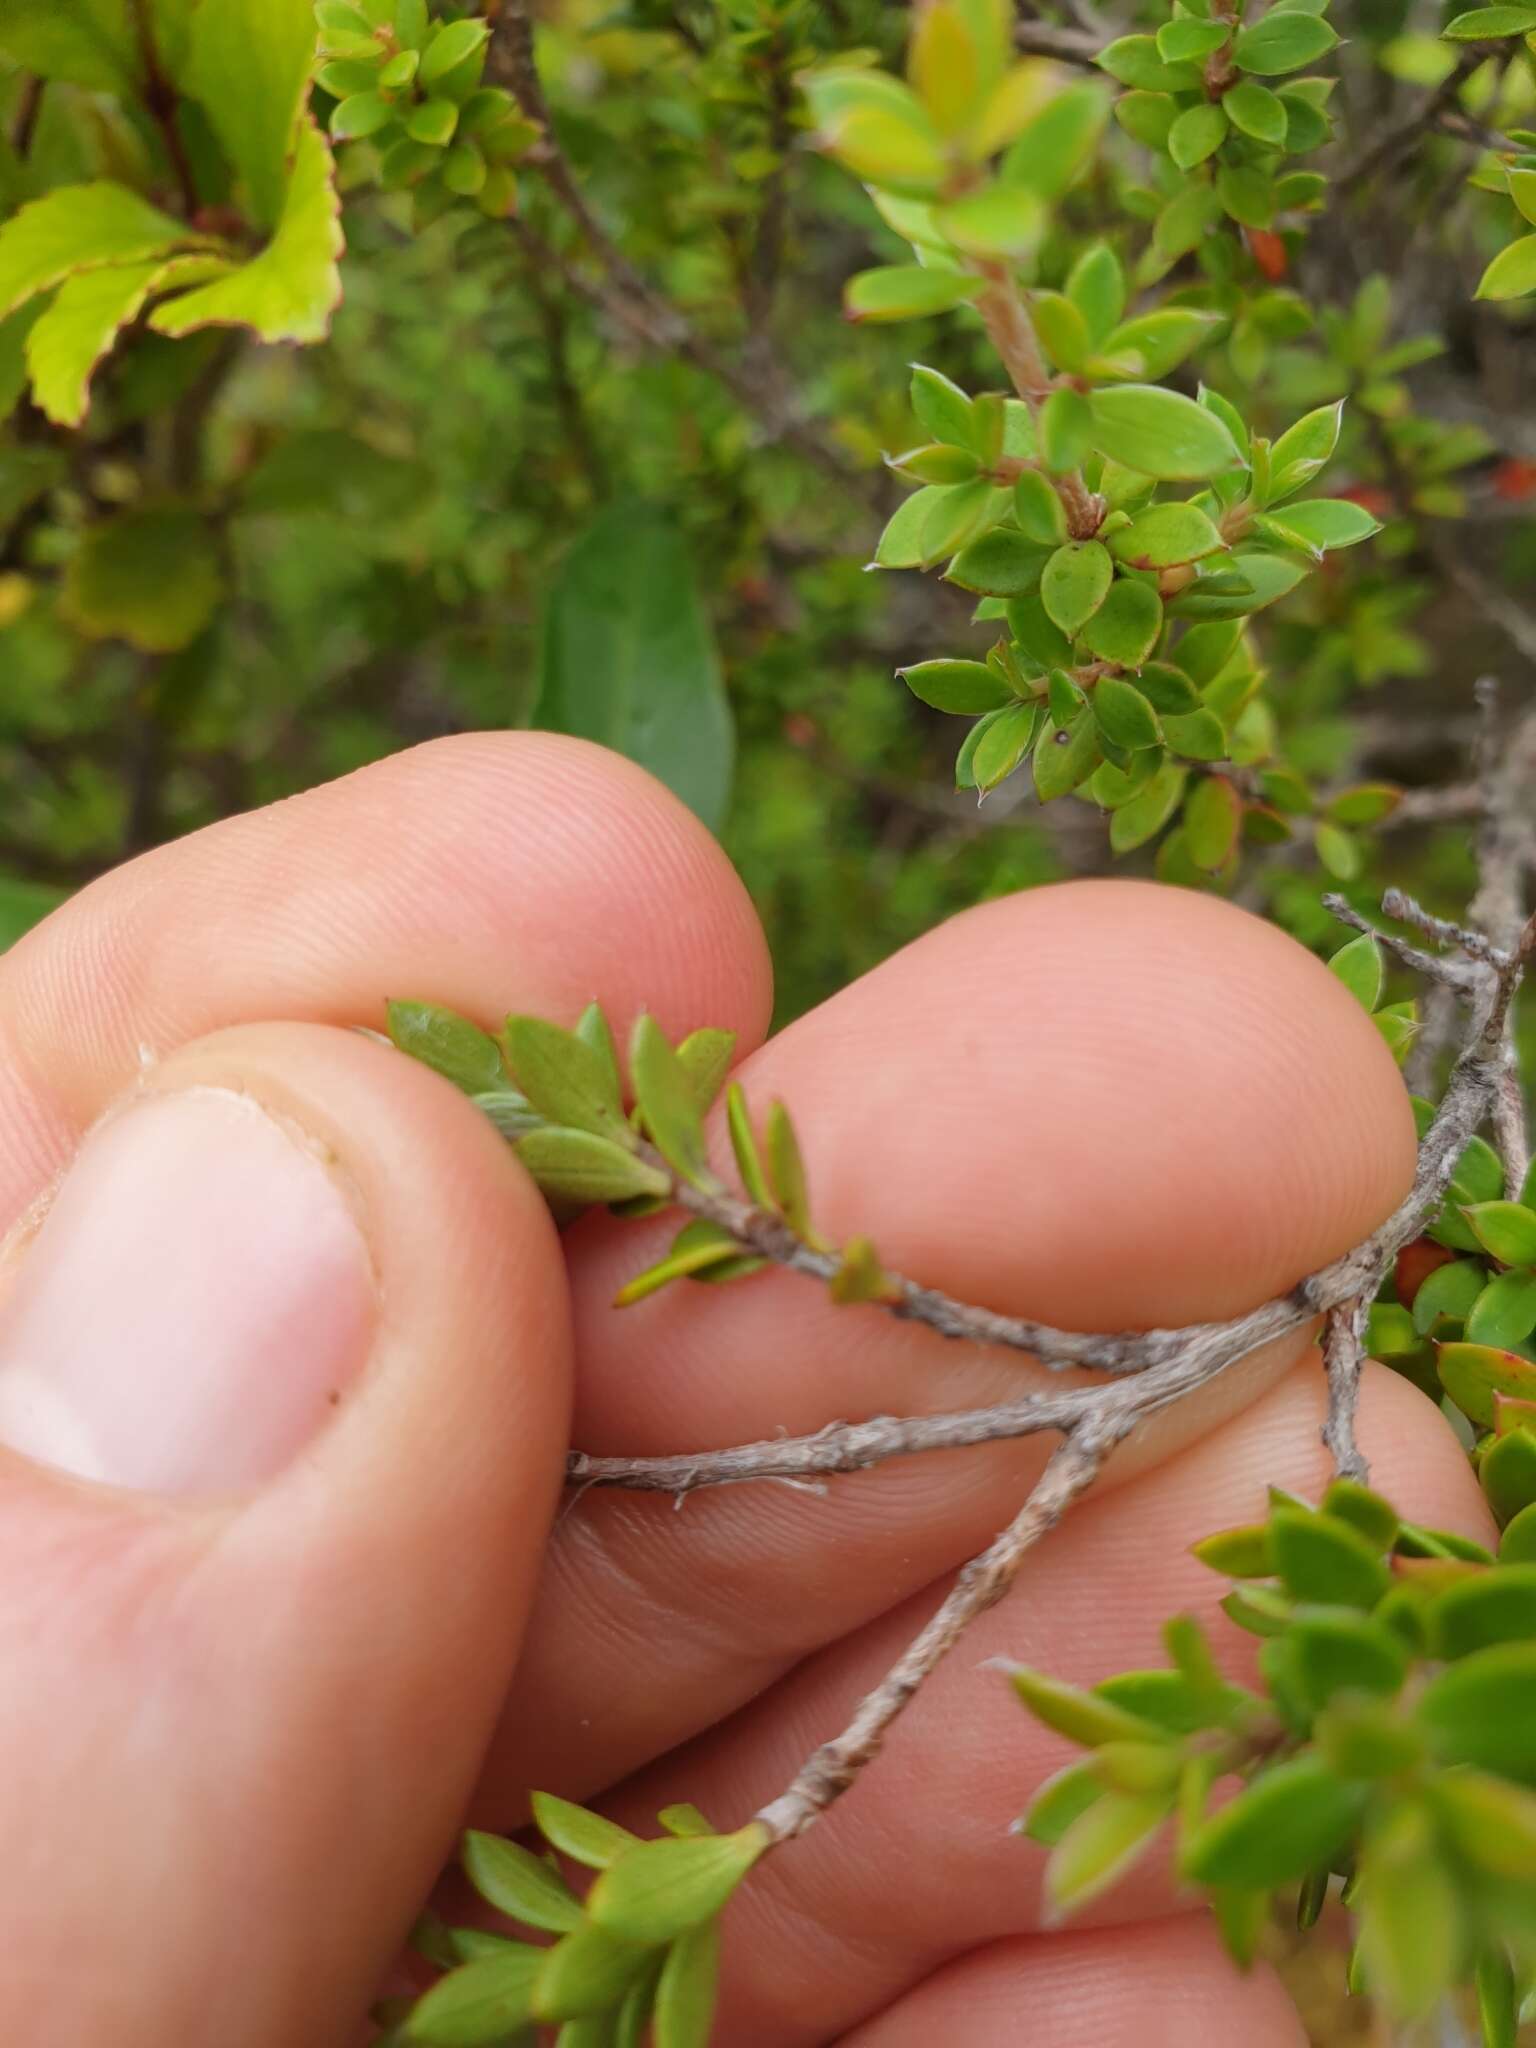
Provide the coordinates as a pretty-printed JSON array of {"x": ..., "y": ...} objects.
[
  {"x": 624, "y": 293},
  {"x": 1392, "y": 142},
  {"x": 1343, "y": 1361},
  {"x": 1012, "y": 334},
  {"x": 1065, "y": 45}
]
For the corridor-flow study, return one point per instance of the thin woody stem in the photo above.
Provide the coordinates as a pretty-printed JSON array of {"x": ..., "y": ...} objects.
[{"x": 1012, "y": 333}]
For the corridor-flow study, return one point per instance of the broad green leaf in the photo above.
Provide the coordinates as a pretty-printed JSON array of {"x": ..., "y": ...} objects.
[
  {"x": 71, "y": 337},
  {"x": 1324, "y": 523},
  {"x": 1487, "y": 1608},
  {"x": 1213, "y": 817},
  {"x": 479, "y": 2004},
  {"x": 248, "y": 64},
  {"x": 1294, "y": 1817},
  {"x": 447, "y": 1043},
  {"x": 1478, "y": 1711},
  {"x": 1101, "y": 1845},
  {"x": 1512, "y": 273},
  {"x": 1125, "y": 629},
  {"x": 1257, "y": 111},
  {"x": 585, "y": 1837},
  {"x": 78, "y": 228},
  {"x": 1065, "y": 756},
  {"x": 289, "y": 291},
  {"x": 519, "y": 1884},
  {"x": 1504, "y": 1313},
  {"x": 907, "y": 292},
  {"x": 1160, "y": 432},
  {"x": 1484, "y": 24},
  {"x": 1146, "y": 815},
  {"x": 92, "y": 43},
  {"x": 1075, "y": 582},
  {"x": 667, "y": 1100},
  {"x": 1124, "y": 716},
  {"x": 584, "y": 1168},
  {"x": 1001, "y": 563},
  {"x": 658, "y": 1890},
  {"x": 1322, "y": 1559},
  {"x": 1246, "y": 194},
  {"x": 1410, "y": 1913},
  {"x": 151, "y": 576},
  {"x": 962, "y": 686},
  {"x": 1197, "y": 133},
  {"x": 567, "y": 1079},
  {"x": 1167, "y": 689},
  {"x": 1507, "y": 1229},
  {"x": 686, "y": 1990},
  {"x": 1165, "y": 535},
  {"x": 629, "y": 659},
  {"x": 1081, "y": 1716},
  {"x": 1358, "y": 965},
  {"x": 1281, "y": 41}
]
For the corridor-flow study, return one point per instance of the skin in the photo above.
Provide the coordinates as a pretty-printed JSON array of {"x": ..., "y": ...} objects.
[{"x": 252, "y": 1724}]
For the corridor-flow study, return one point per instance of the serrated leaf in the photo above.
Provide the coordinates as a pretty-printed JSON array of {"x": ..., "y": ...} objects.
[
  {"x": 289, "y": 291},
  {"x": 248, "y": 64},
  {"x": 79, "y": 228},
  {"x": 519, "y": 1884},
  {"x": 667, "y": 1101},
  {"x": 66, "y": 343},
  {"x": 658, "y": 1890},
  {"x": 447, "y": 1043}
]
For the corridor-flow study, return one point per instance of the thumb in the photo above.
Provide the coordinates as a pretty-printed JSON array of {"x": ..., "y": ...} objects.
[{"x": 283, "y": 1386}]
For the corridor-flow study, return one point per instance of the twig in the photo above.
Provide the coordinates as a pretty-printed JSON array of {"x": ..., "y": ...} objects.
[
  {"x": 627, "y": 295},
  {"x": 1066, "y": 45},
  {"x": 1343, "y": 1360},
  {"x": 1012, "y": 334},
  {"x": 834, "y": 1767},
  {"x": 1505, "y": 850}
]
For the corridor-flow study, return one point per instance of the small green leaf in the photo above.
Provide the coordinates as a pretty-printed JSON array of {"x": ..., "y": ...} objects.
[
  {"x": 454, "y": 43},
  {"x": 587, "y": 1971},
  {"x": 658, "y": 1890},
  {"x": 1320, "y": 524},
  {"x": 786, "y": 1171},
  {"x": 1038, "y": 508},
  {"x": 519, "y": 1884},
  {"x": 1062, "y": 329},
  {"x": 1282, "y": 40},
  {"x": 1504, "y": 1313},
  {"x": 479, "y": 2004},
  {"x": 1498, "y": 2002},
  {"x": 1367, "y": 803},
  {"x": 1184, "y": 40},
  {"x": 1410, "y": 1913},
  {"x": 686, "y": 1992},
  {"x": 433, "y": 123},
  {"x": 1376, "y": 1519},
  {"x": 1507, "y": 1473},
  {"x": 1001, "y": 563},
  {"x": 705, "y": 1057},
  {"x": 585, "y": 1837},
  {"x": 1154, "y": 343},
  {"x": 580, "y": 1167},
  {"x": 906, "y": 291},
  {"x": 364, "y": 113},
  {"x": 1321, "y": 1559},
  {"x": 1197, "y": 133},
  {"x": 1125, "y": 629},
  {"x": 1358, "y": 965},
  {"x": 1448, "y": 1293},
  {"x": 1487, "y": 1608},
  {"x": 1007, "y": 739},
  {"x": 941, "y": 406},
  {"x": 151, "y": 575},
  {"x": 699, "y": 1251},
  {"x": 960, "y": 686},
  {"x": 1257, "y": 111},
  {"x": 1478, "y": 1711},
  {"x": 1166, "y": 535},
  {"x": 667, "y": 1101},
  {"x": 1065, "y": 756},
  {"x": 1146, "y": 815},
  {"x": 1244, "y": 1553},
  {"x": 1075, "y": 582},
  {"x": 1329, "y": 1653},
  {"x": 1294, "y": 1817},
  {"x": 1081, "y": 1716},
  {"x": 1213, "y": 817},
  {"x": 1160, "y": 432},
  {"x": 1485, "y": 24},
  {"x": 1136, "y": 61},
  {"x": 749, "y": 1164},
  {"x": 1490, "y": 1820},
  {"x": 1167, "y": 689},
  {"x": 1101, "y": 1845},
  {"x": 1066, "y": 431},
  {"x": 568, "y": 1081},
  {"x": 1065, "y": 1795},
  {"x": 1507, "y": 1229},
  {"x": 1302, "y": 450},
  {"x": 447, "y": 1043},
  {"x": 1124, "y": 715},
  {"x": 1339, "y": 852}
]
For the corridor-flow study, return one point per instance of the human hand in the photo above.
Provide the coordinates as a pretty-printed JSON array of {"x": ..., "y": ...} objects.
[{"x": 304, "y": 1330}]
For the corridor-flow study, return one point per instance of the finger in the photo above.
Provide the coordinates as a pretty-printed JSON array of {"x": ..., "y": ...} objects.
[
  {"x": 489, "y": 872},
  {"x": 283, "y": 1385},
  {"x": 1106, "y": 1105},
  {"x": 1165, "y": 1984},
  {"x": 827, "y": 1932}
]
